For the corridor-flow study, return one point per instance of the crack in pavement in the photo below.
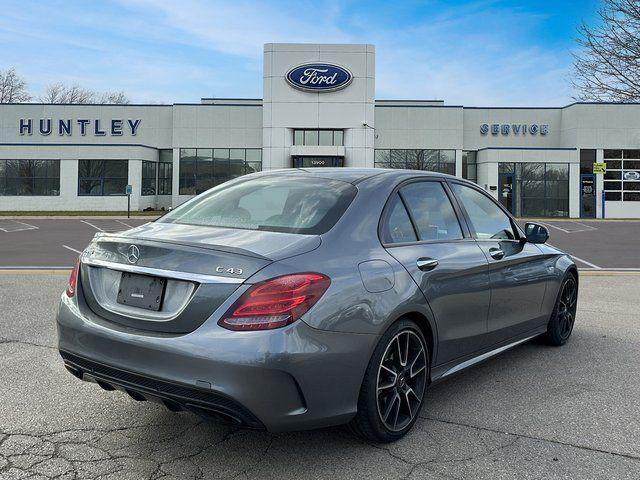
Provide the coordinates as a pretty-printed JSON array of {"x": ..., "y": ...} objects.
[
  {"x": 532, "y": 437},
  {"x": 23, "y": 342}
]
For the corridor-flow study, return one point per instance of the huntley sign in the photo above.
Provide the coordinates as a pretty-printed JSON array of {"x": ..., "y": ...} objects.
[{"x": 67, "y": 127}]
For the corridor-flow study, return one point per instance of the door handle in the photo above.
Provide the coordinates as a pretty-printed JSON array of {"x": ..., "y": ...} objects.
[
  {"x": 426, "y": 264},
  {"x": 496, "y": 253}
]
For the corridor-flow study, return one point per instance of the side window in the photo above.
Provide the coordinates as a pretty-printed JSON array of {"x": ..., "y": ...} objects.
[
  {"x": 488, "y": 220},
  {"x": 397, "y": 226},
  {"x": 432, "y": 212}
]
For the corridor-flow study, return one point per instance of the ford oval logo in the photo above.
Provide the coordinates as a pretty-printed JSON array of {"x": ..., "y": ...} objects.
[{"x": 319, "y": 77}]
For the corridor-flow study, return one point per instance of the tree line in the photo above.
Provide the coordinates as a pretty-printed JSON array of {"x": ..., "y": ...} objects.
[{"x": 13, "y": 89}]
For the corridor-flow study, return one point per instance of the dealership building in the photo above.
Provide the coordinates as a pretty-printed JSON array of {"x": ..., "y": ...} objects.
[{"x": 318, "y": 109}]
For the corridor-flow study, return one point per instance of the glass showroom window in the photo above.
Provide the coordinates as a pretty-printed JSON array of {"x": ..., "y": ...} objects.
[
  {"x": 203, "y": 168},
  {"x": 469, "y": 165},
  {"x": 542, "y": 189},
  {"x": 165, "y": 172},
  {"x": 102, "y": 177},
  {"x": 443, "y": 161},
  {"x": 30, "y": 177},
  {"x": 622, "y": 180},
  {"x": 318, "y": 137},
  {"x": 148, "y": 178}
]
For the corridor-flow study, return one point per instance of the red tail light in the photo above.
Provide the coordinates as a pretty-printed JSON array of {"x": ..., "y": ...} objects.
[
  {"x": 73, "y": 279},
  {"x": 276, "y": 302}
]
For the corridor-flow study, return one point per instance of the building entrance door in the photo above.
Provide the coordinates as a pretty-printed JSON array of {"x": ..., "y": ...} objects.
[
  {"x": 506, "y": 190},
  {"x": 587, "y": 195},
  {"x": 309, "y": 161}
]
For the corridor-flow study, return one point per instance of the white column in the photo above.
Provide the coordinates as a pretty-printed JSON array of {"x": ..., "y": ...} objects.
[
  {"x": 459, "y": 163},
  {"x": 175, "y": 181},
  {"x": 574, "y": 190}
]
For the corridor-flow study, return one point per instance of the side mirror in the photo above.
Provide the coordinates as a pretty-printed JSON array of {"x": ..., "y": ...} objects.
[{"x": 536, "y": 233}]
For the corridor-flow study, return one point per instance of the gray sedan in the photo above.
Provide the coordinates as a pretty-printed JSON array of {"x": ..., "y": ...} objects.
[{"x": 299, "y": 299}]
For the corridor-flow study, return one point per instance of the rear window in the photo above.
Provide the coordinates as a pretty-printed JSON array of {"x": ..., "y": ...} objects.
[{"x": 279, "y": 204}]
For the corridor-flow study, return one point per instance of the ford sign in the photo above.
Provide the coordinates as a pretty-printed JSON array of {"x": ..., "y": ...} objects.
[
  {"x": 319, "y": 77},
  {"x": 631, "y": 175}
]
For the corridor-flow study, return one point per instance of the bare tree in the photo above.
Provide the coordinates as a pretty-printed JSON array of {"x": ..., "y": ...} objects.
[
  {"x": 607, "y": 68},
  {"x": 75, "y": 94},
  {"x": 119, "y": 98},
  {"x": 13, "y": 89}
]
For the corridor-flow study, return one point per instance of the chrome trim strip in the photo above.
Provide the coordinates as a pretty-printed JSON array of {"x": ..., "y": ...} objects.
[
  {"x": 159, "y": 272},
  {"x": 484, "y": 356}
]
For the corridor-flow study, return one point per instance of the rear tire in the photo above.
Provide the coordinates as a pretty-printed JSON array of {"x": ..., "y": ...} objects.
[
  {"x": 564, "y": 313},
  {"x": 392, "y": 391}
]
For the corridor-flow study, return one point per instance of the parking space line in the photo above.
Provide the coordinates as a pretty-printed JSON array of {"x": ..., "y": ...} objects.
[
  {"x": 125, "y": 224},
  {"x": 26, "y": 226},
  {"x": 592, "y": 265},
  {"x": 72, "y": 249},
  {"x": 587, "y": 228},
  {"x": 92, "y": 225}
]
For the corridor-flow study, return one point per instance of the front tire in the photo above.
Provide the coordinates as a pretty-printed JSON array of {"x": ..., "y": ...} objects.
[
  {"x": 393, "y": 388},
  {"x": 564, "y": 313}
]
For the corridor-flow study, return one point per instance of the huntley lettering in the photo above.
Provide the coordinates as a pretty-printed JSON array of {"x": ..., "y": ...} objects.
[{"x": 67, "y": 127}]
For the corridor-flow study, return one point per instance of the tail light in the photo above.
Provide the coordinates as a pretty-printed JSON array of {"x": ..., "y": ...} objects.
[
  {"x": 276, "y": 302},
  {"x": 73, "y": 279}
]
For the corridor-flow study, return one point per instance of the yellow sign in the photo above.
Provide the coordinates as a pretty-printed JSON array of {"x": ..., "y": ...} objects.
[{"x": 599, "y": 167}]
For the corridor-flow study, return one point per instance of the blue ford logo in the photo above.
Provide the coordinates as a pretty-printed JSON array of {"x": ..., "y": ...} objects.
[{"x": 319, "y": 77}]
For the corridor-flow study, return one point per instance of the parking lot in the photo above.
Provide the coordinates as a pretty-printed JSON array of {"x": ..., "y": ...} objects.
[
  {"x": 535, "y": 412},
  {"x": 56, "y": 242}
]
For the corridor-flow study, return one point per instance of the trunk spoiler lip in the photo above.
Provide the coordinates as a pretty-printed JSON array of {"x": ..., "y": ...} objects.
[{"x": 114, "y": 237}]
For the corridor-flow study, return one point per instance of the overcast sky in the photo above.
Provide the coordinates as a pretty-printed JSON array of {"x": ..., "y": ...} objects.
[{"x": 474, "y": 53}]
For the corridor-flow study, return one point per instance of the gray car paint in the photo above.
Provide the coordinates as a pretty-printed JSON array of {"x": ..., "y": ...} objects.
[{"x": 309, "y": 373}]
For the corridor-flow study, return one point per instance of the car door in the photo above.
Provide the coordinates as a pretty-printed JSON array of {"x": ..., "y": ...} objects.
[
  {"x": 422, "y": 230},
  {"x": 517, "y": 269}
]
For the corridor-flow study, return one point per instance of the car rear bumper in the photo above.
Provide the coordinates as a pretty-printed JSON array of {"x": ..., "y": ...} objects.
[{"x": 292, "y": 378}]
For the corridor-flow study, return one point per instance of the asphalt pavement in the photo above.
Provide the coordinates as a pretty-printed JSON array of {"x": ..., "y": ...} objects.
[
  {"x": 55, "y": 242},
  {"x": 535, "y": 412}
]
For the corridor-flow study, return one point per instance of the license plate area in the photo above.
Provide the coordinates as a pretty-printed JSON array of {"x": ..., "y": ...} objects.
[{"x": 141, "y": 291}]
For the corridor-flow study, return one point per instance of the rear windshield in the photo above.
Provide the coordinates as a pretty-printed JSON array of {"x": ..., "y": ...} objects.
[{"x": 279, "y": 204}]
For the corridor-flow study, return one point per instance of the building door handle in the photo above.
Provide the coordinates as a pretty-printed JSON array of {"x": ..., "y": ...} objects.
[
  {"x": 496, "y": 253},
  {"x": 426, "y": 264}
]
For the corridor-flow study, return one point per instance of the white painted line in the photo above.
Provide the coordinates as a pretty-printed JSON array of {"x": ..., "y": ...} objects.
[
  {"x": 587, "y": 228},
  {"x": 92, "y": 225},
  {"x": 585, "y": 262},
  {"x": 11, "y": 224},
  {"x": 72, "y": 249},
  {"x": 592, "y": 265},
  {"x": 553, "y": 226},
  {"x": 125, "y": 224}
]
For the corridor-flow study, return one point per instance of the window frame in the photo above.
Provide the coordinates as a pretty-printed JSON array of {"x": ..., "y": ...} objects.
[
  {"x": 154, "y": 178},
  {"x": 102, "y": 178},
  {"x": 213, "y": 176},
  {"x": 30, "y": 161},
  {"x": 386, "y": 210},
  {"x": 519, "y": 234}
]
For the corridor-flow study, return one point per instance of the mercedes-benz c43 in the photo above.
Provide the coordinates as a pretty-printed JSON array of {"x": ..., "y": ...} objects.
[{"x": 299, "y": 299}]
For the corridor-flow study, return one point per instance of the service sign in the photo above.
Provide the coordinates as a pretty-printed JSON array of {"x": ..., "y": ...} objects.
[{"x": 319, "y": 77}]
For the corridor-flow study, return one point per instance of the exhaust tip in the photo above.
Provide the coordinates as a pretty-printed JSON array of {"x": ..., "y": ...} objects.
[
  {"x": 135, "y": 395},
  {"x": 105, "y": 386},
  {"x": 172, "y": 406},
  {"x": 76, "y": 372}
]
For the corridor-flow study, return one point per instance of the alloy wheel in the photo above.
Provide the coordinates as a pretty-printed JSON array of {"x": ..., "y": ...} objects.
[
  {"x": 567, "y": 307},
  {"x": 402, "y": 377}
]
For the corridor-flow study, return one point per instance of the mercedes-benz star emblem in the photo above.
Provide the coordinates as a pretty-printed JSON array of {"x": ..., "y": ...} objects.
[{"x": 133, "y": 254}]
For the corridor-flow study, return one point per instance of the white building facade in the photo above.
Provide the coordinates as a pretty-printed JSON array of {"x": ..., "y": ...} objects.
[{"x": 318, "y": 109}]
